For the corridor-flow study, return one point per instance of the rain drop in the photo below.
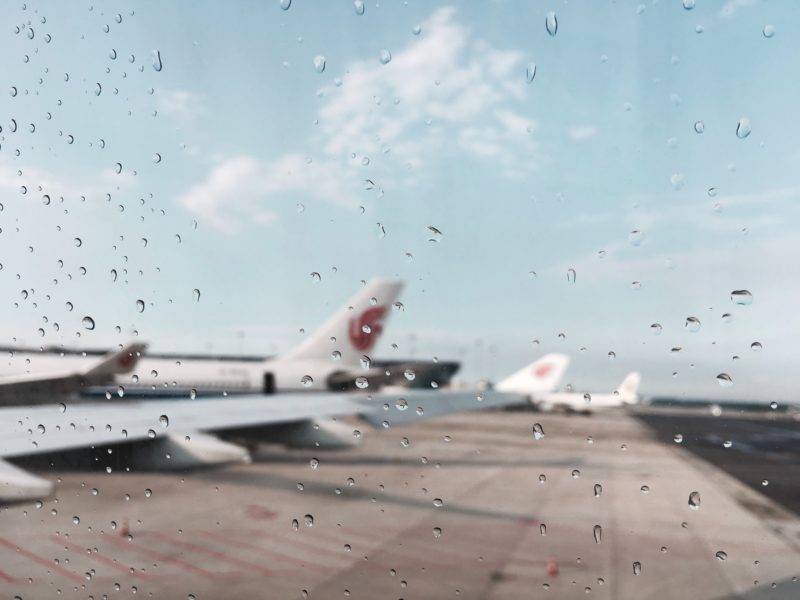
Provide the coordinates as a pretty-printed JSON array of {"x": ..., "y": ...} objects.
[
  {"x": 157, "y": 64},
  {"x": 724, "y": 380},
  {"x": 551, "y": 23},
  {"x": 743, "y": 128},
  {"x": 530, "y": 72},
  {"x": 741, "y": 297}
]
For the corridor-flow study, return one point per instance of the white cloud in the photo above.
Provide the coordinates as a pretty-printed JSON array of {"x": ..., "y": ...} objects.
[
  {"x": 181, "y": 104},
  {"x": 731, "y": 6},
  {"x": 235, "y": 189},
  {"x": 582, "y": 132},
  {"x": 444, "y": 85}
]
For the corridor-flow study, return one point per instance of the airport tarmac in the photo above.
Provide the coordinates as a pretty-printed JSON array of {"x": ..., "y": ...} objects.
[{"x": 468, "y": 506}]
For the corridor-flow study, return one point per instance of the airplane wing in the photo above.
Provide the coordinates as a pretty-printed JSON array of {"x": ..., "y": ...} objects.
[
  {"x": 177, "y": 433},
  {"x": 37, "y": 388}
]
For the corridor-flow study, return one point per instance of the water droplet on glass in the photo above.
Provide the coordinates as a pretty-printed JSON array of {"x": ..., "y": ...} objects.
[
  {"x": 678, "y": 438},
  {"x": 692, "y": 324},
  {"x": 313, "y": 463},
  {"x": 196, "y": 295},
  {"x": 285, "y": 4},
  {"x": 306, "y": 380},
  {"x": 308, "y": 520},
  {"x": 699, "y": 127},
  {"x": 741, "y": 297},
  {"x": 98, "y": 89},
  {"x": 637, "y": 568},
  {"x": 768, "y": 31},
  {"x": 538, "y": 432},
  {"x": 362, "y": 383},
  {"x": 319, "y": 63},
  {"x": 157, "y": 64},
  {"x": 551, "y": 23},
  {"x": 598, "y": 490},
  {"x": 743, "y": 128},
  {"x": 88, "y": 323},
  {"x": 576, "y": 473},
  {"x": 656, "y": 328},
  {"x": 721, "y": 555},
  {"x": 530, "y": 72},
  {"x": 385, "y": 56},
  {"x": 598, "y": 534},
  {"x": 688, "y": 4},
  {"x": 724, "y": 380},
  {"x": 140, "y": 306},
  {"x": 164, "y": 421},
  {"x": 358, "y": 5},
  {"x": 694, "y": 500},
  {"x": 437, "y": 533},
  {"x": 571, "y": 275}
]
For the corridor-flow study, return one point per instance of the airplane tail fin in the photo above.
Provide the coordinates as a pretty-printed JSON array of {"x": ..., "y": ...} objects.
[
  {"x": 354, "y": 329},
  {"x": 629, "y": 388},
  {"x": 116, "y": 363},
  {"x": 543, "y": 375}
]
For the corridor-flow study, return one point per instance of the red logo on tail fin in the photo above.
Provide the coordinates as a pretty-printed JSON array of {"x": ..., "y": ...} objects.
[
  {"x": 540, "y": 371},
  {"x": 126, "y": 360},
  {"x": 365, "y": 329}
]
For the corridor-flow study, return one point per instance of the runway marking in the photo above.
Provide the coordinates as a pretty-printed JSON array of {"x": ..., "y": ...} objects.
[
  {"x": 276, "y": 555},
  {"x": 100, "y": 558},
  {"x": 215, "y": 553},
  {"x": 165, "y": 558},
  {"x": 39, "y": 560}
]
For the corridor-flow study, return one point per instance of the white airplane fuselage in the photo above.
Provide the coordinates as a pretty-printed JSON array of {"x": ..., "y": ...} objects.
[
  {"x": 182, "y": 376},
  {"x": 580, "y": 402}
]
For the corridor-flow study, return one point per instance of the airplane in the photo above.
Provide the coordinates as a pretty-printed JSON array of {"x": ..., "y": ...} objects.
[
  {"x": 181, "y": 433},
  {"x": 625, "y": 394},
  {"x": 35, "y": 388},
  {"x": 333, "y": 353}
]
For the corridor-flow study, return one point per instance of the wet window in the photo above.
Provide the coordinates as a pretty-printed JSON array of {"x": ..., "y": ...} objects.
[{"x": 398, "y": 299}]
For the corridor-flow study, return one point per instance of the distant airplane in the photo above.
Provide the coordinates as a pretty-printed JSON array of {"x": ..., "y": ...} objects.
[
  {"x": 626, "y": 393},
  {"x": 331, "y": 355},
  {"x": 179, "y": 434},
  {"x": 51, "y": 385}
]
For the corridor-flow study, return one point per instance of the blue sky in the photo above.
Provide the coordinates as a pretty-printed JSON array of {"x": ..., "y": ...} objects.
[{"x": 271, "y": 170}]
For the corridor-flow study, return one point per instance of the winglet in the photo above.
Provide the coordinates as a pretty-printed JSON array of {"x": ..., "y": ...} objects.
[
  {"x": 117, "y": 363},
  {"x": 543, "y": 375},
  {"x": 355, "y": 328}
]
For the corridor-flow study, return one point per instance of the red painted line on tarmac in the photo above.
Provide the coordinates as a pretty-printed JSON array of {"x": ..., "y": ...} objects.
[
  {"x": 100, "y": 558},
  {"x": 42, "y": 561},
  {"x": 215, "y": 553},
  {"x": 391, "y": 550},
  {"x": 164, "y": 557},
  {"x": 276, "y": 555},
  {"x": 6, "y": 577}
]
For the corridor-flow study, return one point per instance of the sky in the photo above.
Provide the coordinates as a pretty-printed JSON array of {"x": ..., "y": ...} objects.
[{"x": 152, "y": 149}]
